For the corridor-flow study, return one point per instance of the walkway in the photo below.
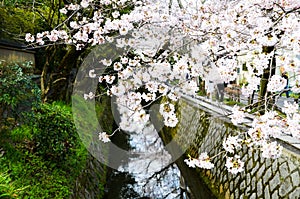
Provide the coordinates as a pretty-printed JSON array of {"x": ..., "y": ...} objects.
[{"x": 221, "y": 109}]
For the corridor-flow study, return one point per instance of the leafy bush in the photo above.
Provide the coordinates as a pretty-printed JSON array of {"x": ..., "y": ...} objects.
[
  {"x": 54, "y": 132},
  {"x": 17, "y": 90},
  {"x": 38, "y": 177}
]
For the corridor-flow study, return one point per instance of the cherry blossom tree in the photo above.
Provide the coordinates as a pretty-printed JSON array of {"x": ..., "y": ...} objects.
[{"x": 169, "y": 45}]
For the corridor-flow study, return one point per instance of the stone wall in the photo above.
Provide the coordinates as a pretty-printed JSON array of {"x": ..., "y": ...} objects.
[
  {"x": 92, "y": 179},
  {"x": 89, "y": 184},
  {"x": 199, "y": 131}
]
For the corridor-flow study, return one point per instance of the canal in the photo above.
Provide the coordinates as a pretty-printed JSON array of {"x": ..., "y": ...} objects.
[{"x": 149, "y": 171}]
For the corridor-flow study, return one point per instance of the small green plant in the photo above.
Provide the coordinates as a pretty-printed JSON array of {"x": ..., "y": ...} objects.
[
  {"x": 230, "y": 102},
  {"x": 54, "y": 132},
  {"x": 7, "y": 187},
  {"x": 294, "y": 95}
]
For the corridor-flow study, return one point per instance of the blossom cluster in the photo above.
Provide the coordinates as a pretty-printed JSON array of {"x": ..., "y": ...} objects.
[
  {"x": 232, "y": 143},
  {"x": 167, "y": 50},
  {"x": 84, "y": 30},
  {"x": 237, "y": 116},
  {"x": 259, "y": 35},
  {"x": 276, "y": 83},
  {"x": 292, "y": 122},
  {"x": 133, "y": 75},
  {"x": 245, "y": 31},
  {"x": 202, "y": 162},
  {"x": 167, "y": 110},
  {"x": 263, "y": 129}
]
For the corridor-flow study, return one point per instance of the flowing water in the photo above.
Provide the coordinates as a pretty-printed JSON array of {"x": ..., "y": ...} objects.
[{"x": 148, "y": 172}]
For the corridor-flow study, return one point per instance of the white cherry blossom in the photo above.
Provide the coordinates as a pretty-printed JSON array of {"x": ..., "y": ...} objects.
[
  {"x": 234, "y": 164},
  {"x": 104, "y": 137},
  {"x": 229, "y": 34}
]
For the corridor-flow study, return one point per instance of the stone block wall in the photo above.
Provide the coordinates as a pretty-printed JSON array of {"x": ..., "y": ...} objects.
[
  {"x": 199, "y": 131},
  {"x": 89, "y": 184}
]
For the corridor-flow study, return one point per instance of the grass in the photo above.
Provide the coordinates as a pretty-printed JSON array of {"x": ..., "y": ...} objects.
[
  {"x": 42, "y": 179},
  {"x": 24, "y": 174},
  {"x": 230, "y": 102}
]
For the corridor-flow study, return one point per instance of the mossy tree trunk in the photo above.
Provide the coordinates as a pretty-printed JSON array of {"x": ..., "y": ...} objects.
[{"x": 59, "y": 72}]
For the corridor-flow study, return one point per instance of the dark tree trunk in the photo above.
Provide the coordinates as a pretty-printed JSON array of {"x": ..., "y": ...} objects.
[
  {"x": 59, "y": 73},
  {"x": 63, "y": 84},
  {"x": 269, "y": 71}
]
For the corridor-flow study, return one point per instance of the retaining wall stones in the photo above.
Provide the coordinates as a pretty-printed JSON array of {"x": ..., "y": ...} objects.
[
  {"x": 89, "y": 184},
  {"x": 198, "y": 131}
]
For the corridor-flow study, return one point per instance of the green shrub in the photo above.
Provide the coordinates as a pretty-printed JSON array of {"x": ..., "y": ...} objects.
[
  {"x": 42, "y": 178},
  {"x": 54, "y": 132},
  {"x": 17, "y": 90}
]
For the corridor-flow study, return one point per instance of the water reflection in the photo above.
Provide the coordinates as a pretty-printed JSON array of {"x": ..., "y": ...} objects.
[{"x": 147, "y": 173}]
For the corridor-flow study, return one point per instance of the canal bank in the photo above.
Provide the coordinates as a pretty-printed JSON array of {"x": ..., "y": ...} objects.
[
  {"x": 149, "y": 171},
  {"x": 203, "y": 126}
]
